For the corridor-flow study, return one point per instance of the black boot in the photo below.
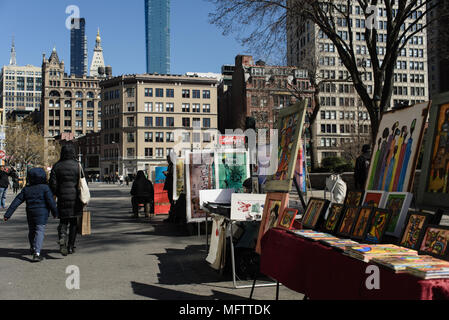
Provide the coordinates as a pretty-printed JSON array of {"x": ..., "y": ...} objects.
[
  {"x": 62, "y": 233},
  {"x": 71, "y": 250}
]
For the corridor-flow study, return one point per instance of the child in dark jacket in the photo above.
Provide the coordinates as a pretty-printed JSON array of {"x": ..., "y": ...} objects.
[{"x": 39, "y": 202}]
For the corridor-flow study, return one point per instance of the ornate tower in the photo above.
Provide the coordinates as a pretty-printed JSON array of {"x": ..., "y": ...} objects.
[
  {"x": 97, "y": 60},
  {"x": 12, "y": 60}
]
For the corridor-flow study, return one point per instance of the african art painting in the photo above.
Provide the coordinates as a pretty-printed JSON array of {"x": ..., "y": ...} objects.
[
  {"x": 414, "y": 228},
  {"x": 378, "y": 225},
  {"x": 435, "y": 241}
]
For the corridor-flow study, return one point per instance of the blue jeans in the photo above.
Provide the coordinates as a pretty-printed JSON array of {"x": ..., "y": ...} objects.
[
  {"x": 36, "y": 236},
  {"x": 3, "y": 197}
]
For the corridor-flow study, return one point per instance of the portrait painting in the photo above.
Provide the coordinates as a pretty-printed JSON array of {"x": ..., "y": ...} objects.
[
  {"x": 348, "y": 220},
  {"x": 435, "y": 242},
  {"x": 354, "y": 198},
  {"x": 396, "y": 149},
  {"x": 361, "y": 226},
  {"x": 377, "y": 226},
  {"x": 315, "y": 211},
  {"x": 333, "y": 217},
  {"x": 232, "y": 169},
  {"x": 373, "y": 198},
  {"x": 415, "y": 226},
  {"x": 398, "y": 203},
  {"x": 275, "y": 204},
  {"x": 247, "y": 207},
  {"x": 287, "y": 218}
]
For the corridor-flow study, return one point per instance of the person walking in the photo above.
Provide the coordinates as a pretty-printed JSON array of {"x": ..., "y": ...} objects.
[
  {"x": 39, "y": 202},
  {"x": 64, "y": 181},
  {"x": 362, "y": 167},
  {"x": 142, "y": 192},
  {"x": 4, "y": 185},
  {"x": 168, "y": 186}
]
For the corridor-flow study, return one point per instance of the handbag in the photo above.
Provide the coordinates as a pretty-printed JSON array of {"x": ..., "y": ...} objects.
[
  {"x": 84, "y": 224},
  {"x": 83, "y": 188}
]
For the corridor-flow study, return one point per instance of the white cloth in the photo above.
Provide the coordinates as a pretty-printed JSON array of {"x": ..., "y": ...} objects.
[{"x": 337, "y": 187}]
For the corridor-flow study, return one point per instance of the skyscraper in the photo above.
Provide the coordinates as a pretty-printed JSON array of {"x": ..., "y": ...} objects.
[
  {"x": 97, "y": 68},
  {"x": 78, "y": 47},
  {"x": 157, "y": 34}
]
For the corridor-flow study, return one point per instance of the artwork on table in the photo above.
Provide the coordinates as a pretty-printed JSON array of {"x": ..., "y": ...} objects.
[
  {"x": 362, "y": 223},
  {"x": 398, "y": 203},
  {"x": 433, "y": 189},
  {"x": 354, "y": 198},
  {"x": 333, "y": 218},
  {"x": 373, "y": 198},
  {"x": 287, "y": 218},
  {"x": 275, "y": 204},
  {"x": 397, "y": 148},
  {"x": 199, "y": 168},
  {"x": 347, "y": 221},
  {"x": 377, "y": 226},
  {"x": 247, "y": 207},
  {"x": 415, "y": 226},
  {"x": 232, "y": 169},
  {"x": 435, "y": 242},
  {"x": 290, "y": 126},
  {"x": 178, "y": 178},
  {"x": 314, "y": 214}
]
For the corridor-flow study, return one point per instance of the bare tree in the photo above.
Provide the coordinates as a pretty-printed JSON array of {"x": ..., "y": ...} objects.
[{"x": 263, "y": 24}]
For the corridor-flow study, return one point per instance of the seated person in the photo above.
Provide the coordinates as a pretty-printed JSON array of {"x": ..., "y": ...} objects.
[{"x": 142, "y": 192}]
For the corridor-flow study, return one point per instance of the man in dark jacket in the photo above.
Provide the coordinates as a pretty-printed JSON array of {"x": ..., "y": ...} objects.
[
  {"x": 143, "y": 193},
  {"x": 362, "y": 167},
  {"x": 4, "y": 184},
  {"x": 64, "y": 180}
]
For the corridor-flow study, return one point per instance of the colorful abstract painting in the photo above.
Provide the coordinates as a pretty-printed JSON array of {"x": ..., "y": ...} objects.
[
  {"x": 348, "y": 220},
  {"x": 362, "y": 223},
  {"x": 378, "y": 225},
  {"x": 373, "y": 198},
  {"x": 247, "y": 207},
  {"x": 333, "y": 217},
  {"x": 414, "y": 228},
  {"x": 232, "y": 169},
  {"x": 316, "y": 208},
  {"x": 396, "y": 148},
  {"x": 435, "y": 241},
  {"x": 354, "y": 198},
  {"x": 398, "y": 203},
  {"x": 287, "y": 219}
]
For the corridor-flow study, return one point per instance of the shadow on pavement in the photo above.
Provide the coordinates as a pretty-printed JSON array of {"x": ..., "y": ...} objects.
[
  {"x": 158, "y": 293},
  {"x": 25, "y": 255}
]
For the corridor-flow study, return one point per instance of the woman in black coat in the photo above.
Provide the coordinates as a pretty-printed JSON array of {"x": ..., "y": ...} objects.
[
  {"x": 64, "y": 180},
  {"x": 143, "y": 193}
]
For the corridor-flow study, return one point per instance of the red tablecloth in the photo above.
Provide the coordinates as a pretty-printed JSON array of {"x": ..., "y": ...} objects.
[
  {"x": 323, "y": 273},
  {"x": 161, "y": 202}
]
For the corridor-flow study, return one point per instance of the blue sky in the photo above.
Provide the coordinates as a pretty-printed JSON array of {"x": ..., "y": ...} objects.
[{"x": 39, "y": 25}]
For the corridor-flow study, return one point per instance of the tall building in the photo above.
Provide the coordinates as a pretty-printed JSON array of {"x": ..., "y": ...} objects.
[
  {"x": 157, "y": 35},
  {"x": 12, "y": 60},
  {"x": 343, "y": 121},
  {"x": 78, "y": 48},
  {"x": 145, "y": 117},
  {"x": 97, "y": 69}
]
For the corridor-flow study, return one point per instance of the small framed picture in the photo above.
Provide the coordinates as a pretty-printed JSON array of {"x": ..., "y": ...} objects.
[
  {"x": 347, "y": 221},
  {"x": 373, "y": 198},
  {"x": 316, "y": 209},
  {"x": 354, "y": 198},
  {"x": 435, "y": 242},
  {"x": 415, "y": 226},
  {"x": 398, "y": 203},
  {"x": 377, "y": 226},
  {"x": 287, "y": 218},
  {"x": 361, "y": 226},
  {"x": 333, "y": 218}
]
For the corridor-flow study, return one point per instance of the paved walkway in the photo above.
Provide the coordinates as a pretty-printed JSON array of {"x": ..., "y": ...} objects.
[{"x": 122, "y": 259}]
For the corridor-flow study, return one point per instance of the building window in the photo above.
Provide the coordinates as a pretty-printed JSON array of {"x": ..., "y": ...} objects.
[
  {"x": 185, "y": 107},
  {"x": 186, "y": 122},
  {"x": 206, "y": 94},
  {"x": 159, "y": 122},
  {"x": 170, "y": 137},
  {"x": 130, "y": 92},
  {"x": 79, "y": 113},
  {"x": 186, "y": 137},
  {"x": 149, "y": 122},
  {"x": 131, "y": 107},
  {"x": 170, "y": 121},
  {"x": 148, "y": 136},
  {"x": 130, "y": 152},
  {"x": 159, "y": 93},
  {"x": 90, "y": 123},
  {"x": 170, "y": 107},
  {"x": 159, "y": 152},
  {"x": 130, "y": 137},
  {"x": 78, "y": 124},
  {"x": 186, "y": 93},
  {"x": 148, "y": 106},
  {"x": 206, "y": 137},
  {"x": 196, "y": 122},
  {"x": 159, "y": 107},
  {"x": 196, "y": 107},
  {"x": 159, "y": 137},
  {"x": 196, "y": 94},
  {"x": 130, "y": 121},
  {"x": 170, "y": 93},
  {"x": 196, "y": 137},
  {"x": 206, "y": 108},
  {"x": 148, "y": 152},
  {"x": 206, "y": 123},
  {"x": 148, "y": 92}
]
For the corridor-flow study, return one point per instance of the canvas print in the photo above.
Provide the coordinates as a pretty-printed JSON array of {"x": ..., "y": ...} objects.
[
  {"x": 397, "y": 148},
  {"x": 333, "y": 217},
  {"x": 362, "y": 223},
  {"x": 275, "y": 204},
  {"x": 290, "y": 126},
  {"x": 347, "y": 222},
  {"x": 178, "y": 178},
  {"x": 247, "y": 207},
  {"x": 199, "y": 169},
  {"x": 435, "y": 241},
  {"x": 398, "y": 203},
  {"x": 373, "y": 198},
  {"x": 414, "y": 228},
  {"x": 316, "y": 209},
  {"x": 232, "y": 169},
  {"x": 354, "y": 198},
  {"x": 287, "y": 218},
  {"x": 377, "y": 226}
]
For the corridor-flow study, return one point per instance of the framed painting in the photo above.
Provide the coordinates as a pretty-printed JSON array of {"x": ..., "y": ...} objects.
[
  {"x": 290, "y": 126},
  {"x": 275, "y": 204},
  {"x": 178, "y": 178},
  {"x": 377, "y": 226},
  {"x": 373, "y": 198},
  {"x": 433, "y": 189},
  {"x": 398, "y": 203},
  {"x": 314, "y": 214},
  {"x": 247, "y": 207},
  {"x": 396, "y": 149},
  {"x": 347, "y": 221},
  {"x": 354, "y": 198},
  {"x": 232, "y": 169},
  {"x": 435, "y": 242},
  {"x": 287, "y": 218},
  {"x": 199, "y": 168},
  {"x": 333, "y": 218},
  {"x": 415, "y": 226},
  {"x": 361, "y": 225}
]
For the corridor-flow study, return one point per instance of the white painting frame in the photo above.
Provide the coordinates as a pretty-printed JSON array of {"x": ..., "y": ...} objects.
[
  {"x": 400, "y": 224},
  {"x": 244, "y": 204}
]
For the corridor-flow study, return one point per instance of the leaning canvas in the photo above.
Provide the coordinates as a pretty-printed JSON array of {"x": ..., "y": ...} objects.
[
  {"x": 398, "y": 203},
  {"x": 290, "y": 126},
  {"x": 397, "y": 148},
  {"x": 435, "y": 242},
  {"x": 415, "y": 227},
  {"x": 247, "y": 207}
]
